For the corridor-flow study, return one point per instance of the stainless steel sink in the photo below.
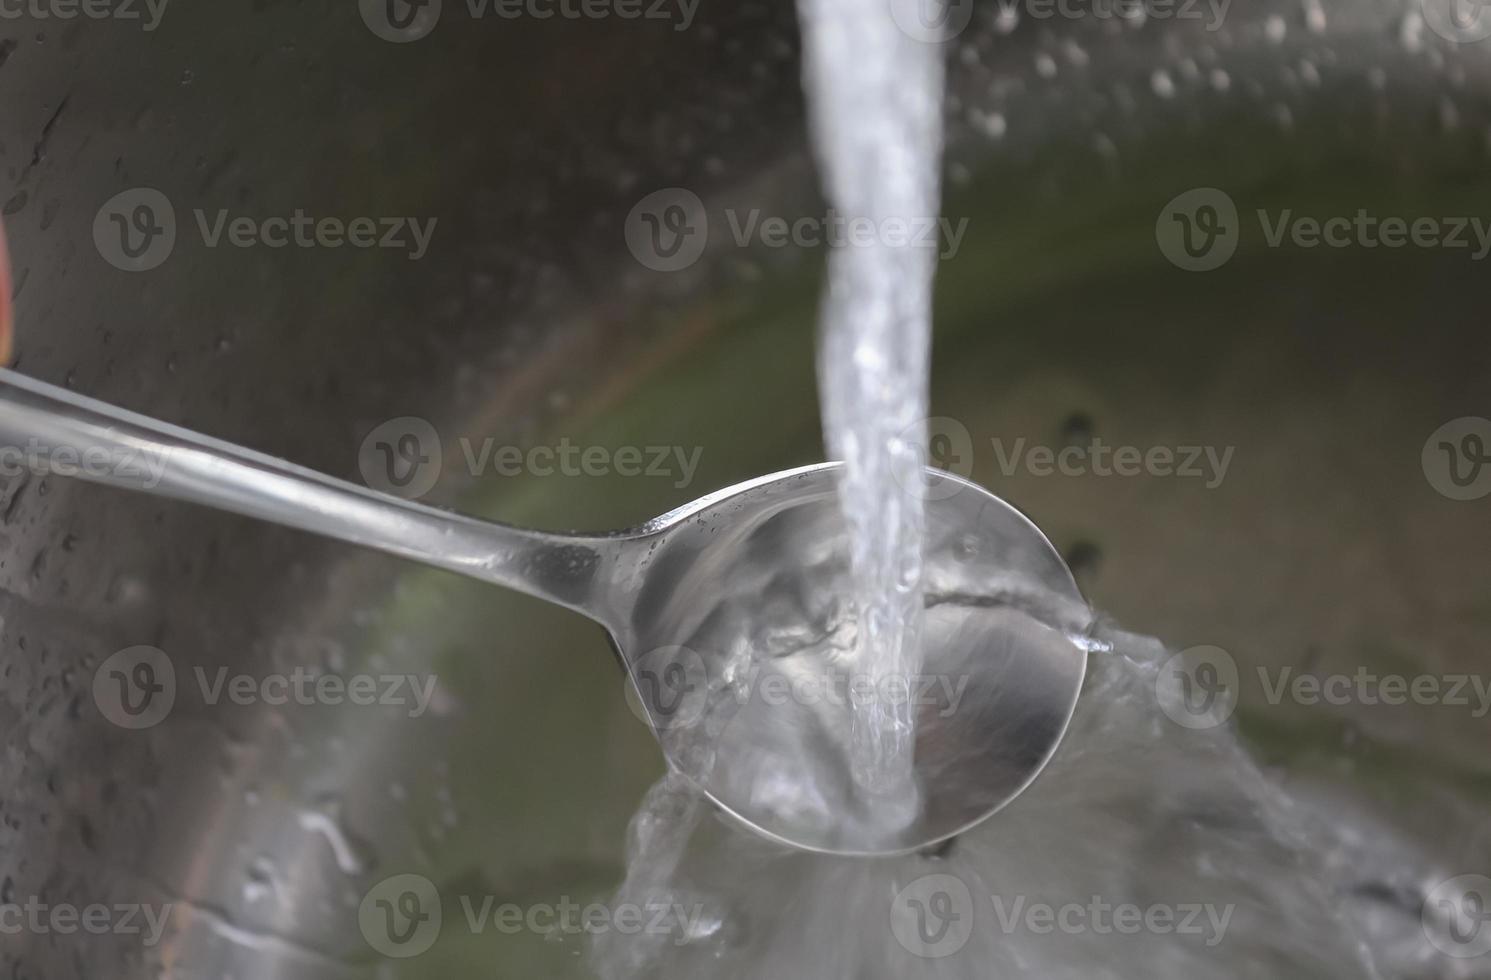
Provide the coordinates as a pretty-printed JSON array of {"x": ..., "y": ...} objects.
[{"x": 1324, "y": 546}]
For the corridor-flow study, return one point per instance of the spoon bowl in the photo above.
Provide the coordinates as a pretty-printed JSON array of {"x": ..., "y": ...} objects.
[
  {"x": 740, "y": 641},
  {"x": 730, "y": 615}
]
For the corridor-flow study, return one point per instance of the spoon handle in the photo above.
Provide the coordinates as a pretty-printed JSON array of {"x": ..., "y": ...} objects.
[{"x": 51, "y": 430}]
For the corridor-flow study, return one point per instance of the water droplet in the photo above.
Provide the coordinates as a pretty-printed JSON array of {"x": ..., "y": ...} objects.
[
  {"x": 1411, "y": 31},
  {"x": 991, "y": 124},
  {"x": 1449, "y": 114},
  {"x": 259, "y": 881},
  {"x": 352, "y": 857},
  {"x": 1314, "y": 16}
]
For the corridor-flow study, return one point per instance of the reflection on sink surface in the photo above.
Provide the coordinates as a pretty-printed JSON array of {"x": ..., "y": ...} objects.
[{"x": 1324, "y": 547}]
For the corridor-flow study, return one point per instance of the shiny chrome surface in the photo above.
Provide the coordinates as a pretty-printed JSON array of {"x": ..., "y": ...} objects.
[
  {"x": 710, "y": 606},
  {"x": 529, "y": 320}
]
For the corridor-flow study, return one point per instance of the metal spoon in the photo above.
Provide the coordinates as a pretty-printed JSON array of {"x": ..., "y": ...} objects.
[{"x": 728, "y": 615}]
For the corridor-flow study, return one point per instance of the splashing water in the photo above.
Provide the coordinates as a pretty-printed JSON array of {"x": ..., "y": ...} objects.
[
  {"x": 875, "y": 94},
  {"x": 1229, "y": 875}
]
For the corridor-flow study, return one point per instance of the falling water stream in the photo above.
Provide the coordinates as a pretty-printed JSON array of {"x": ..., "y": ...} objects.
[{"x": 874, "y": 98}]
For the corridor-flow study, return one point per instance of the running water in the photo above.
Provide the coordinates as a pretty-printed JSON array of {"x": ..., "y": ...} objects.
[
  {"x": 1233, "y": 875},
  {"x": 875, "y": 103},
  {"x": 1135, "y": 811}
]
